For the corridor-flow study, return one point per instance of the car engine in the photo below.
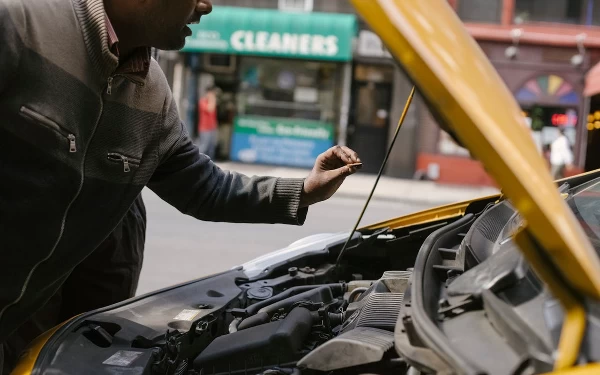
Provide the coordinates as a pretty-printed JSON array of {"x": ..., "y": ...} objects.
[
  {"x": 321, "y": 327},
  {"x": 442, "y": 296}
]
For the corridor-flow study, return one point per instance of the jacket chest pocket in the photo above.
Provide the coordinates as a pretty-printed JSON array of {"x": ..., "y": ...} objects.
[
  {"x": 127, "y": 163},
  {"x": 38, "y": 119}
]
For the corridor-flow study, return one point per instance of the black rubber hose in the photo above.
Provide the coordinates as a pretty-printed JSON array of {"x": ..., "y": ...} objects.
[
  {"x": 323, "y": 293},
  {"x": 251, "y": 310},
  {"x": 264, "y": 315},
  {"x": 233, "y": 327},
  {"x": 253, "y": 321}
]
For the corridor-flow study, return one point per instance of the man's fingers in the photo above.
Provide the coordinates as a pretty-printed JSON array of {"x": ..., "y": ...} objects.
[
  {"x": 340, "y": 156},
  {"x": 341, "y": 153},
  {"x": 352, "y": 154},
  {"x": 332, "y": 162},
  {"x": 344, "y": 171}
]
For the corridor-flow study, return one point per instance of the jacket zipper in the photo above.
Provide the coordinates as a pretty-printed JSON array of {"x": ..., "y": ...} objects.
[
  {"x": 126, "y": 160},
  {"x": 109, "y": 86},
  {"x": 52, "y": 125},
  {"x": 64, "y": 218},
  {"x": 111, "y": 79}
]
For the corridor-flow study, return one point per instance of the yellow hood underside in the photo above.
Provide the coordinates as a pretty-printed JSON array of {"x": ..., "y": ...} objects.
[{"x": 464, "y": 90}]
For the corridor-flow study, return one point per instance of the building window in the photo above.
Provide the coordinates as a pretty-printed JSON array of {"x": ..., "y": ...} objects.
[
  {"x": 485, "y": 11},
  {"x": 556, "y": 11},
  {"x": 593, "y": 12},
  {"x": 289, "y": 88},
  {"x": 296, "y": 5}
]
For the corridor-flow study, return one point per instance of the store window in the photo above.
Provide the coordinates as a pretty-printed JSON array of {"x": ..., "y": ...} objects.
[
  {"x": 296, "y": 5},
  {"x": 289, "y": 88},
  {"x": 485, "y": 11},
  {"x": 593, "y": 12},
  {"x": 558, "y": 11},
  {"x": 219, "y": 63}
]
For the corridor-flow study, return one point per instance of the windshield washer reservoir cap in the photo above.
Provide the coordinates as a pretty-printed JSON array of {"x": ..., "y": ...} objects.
[{"x": 260, "y": 293}]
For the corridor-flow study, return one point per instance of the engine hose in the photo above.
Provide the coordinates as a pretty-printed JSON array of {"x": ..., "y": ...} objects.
[
  {"x": 355, "y": 293},
  {"x": 322, "y": 293},
  {"x": 251, "y": 310},
  {"x": 233, "y": 327}
]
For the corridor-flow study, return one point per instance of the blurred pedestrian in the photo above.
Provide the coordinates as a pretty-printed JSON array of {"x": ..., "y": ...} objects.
[
  {"x": 546, "y": 154},
  {"x": 561, "y": 157},
  {"x": 208, "y": 123},
  {"x": 89, "y": 120}
]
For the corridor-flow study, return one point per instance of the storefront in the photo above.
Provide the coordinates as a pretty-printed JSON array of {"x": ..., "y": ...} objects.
[
  {"x": 378, "y": 93},
  {"x": 549, "y": 89},
  {"x": 592, "y": 106},
  {"x": 550, "y": 103},
  {"x": 283, "y": 78}
]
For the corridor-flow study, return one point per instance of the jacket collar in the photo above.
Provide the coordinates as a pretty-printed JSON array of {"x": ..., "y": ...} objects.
[
  {"x": 137, "y": 64},
  {"x": 90, "y": 14}
]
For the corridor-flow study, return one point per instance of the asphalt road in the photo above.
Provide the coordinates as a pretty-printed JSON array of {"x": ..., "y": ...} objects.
[{"x": 180, "y": 248}]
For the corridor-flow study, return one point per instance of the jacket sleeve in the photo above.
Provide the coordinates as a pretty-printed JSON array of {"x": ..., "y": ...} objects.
[
  {"x": 192, "y": 183},
  {"x": 11, "y": 17}
]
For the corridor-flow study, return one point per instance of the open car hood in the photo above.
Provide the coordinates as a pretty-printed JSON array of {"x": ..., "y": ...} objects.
[{"x": 466, "y": 95}]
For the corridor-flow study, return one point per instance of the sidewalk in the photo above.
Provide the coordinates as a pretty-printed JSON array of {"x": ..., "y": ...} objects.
[{"x": 391, "y": 189}]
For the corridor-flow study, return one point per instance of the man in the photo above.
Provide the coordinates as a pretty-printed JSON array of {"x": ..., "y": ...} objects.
[
  {"x": 88, "y": 120},
  {"x": 561, "y": 156},
  {"x": 207, "y": 122},
  {"x": 107, "y": 276}
]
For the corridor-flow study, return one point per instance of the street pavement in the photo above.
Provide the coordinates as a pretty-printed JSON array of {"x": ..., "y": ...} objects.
[{"x": 180, "y": 248}]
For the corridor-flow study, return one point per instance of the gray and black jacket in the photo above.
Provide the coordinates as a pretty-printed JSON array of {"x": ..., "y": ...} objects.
[{"x": 73, "y": 157}]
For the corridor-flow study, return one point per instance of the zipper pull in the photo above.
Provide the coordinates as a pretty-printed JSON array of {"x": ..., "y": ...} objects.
[
  {"x": 72, "y": 145},
  {"x": 125, "y": 164},
  {"x": 109, "y": 87}
]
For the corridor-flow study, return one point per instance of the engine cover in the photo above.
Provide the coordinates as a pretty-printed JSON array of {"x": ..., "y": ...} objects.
[{"x": 273, "y": 343}]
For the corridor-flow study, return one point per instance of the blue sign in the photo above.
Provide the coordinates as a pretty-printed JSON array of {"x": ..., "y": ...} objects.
[{"x": 288, "y": 142}]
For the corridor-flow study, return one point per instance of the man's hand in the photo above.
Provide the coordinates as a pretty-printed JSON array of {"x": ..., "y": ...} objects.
[{"x": 330, "y": 170}]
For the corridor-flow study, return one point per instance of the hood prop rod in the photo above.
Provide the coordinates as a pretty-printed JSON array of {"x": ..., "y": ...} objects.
[{"x": 381, "y": 169}]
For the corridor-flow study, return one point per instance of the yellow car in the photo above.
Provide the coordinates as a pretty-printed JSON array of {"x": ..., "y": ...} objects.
[{"x": 507, "y": 284}]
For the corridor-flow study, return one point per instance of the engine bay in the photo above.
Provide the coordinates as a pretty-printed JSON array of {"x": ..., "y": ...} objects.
[{"x": 426, "y": 298}]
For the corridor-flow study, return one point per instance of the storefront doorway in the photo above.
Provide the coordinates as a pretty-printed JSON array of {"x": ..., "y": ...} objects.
[
  {"x": 545, "y": 122},
  {"x": 551, "y": 103},
  {"x": 220, "y": 71},
  {"x": 592, "y": 156},
  {"x": 369, "y": 117}
]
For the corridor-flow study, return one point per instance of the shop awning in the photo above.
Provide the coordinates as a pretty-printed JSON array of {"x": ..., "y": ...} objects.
[
  {"x": 592, "y": 81},
  {"x": 269, "y": 32}
]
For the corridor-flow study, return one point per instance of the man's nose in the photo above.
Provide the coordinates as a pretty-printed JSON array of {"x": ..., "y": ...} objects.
[{"x": 204, "y": 6}]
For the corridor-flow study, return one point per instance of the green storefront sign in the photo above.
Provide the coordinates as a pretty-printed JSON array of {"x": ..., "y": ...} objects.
[
  {"x": 267, "y": 32},
  {"x": 280, "y": 141}
]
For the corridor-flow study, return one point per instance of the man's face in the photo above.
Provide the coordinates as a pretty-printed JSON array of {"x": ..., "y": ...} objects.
[{"x": 166, "y": 21}]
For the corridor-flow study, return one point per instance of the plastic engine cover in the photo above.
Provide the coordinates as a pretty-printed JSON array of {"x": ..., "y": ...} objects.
[{"x": 268, "y": 344}]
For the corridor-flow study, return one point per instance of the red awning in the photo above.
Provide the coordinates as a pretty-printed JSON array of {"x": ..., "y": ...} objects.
[{"x": 592, "y": 81}]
